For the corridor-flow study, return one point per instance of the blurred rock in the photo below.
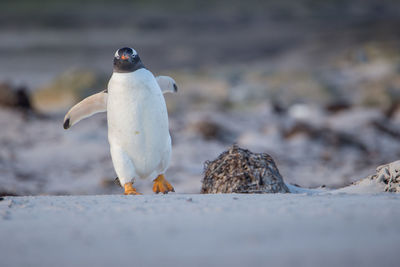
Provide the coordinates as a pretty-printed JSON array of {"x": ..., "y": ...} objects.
[
  {"x": 241, "y": 171},
  {"x": 7, "y": 193},
  {"x": 337, "y": 106},
  {"x": 355, "y": 118},
  {"x": 278, "y": 108},
  {"x": 326, "y": 135},
  {"x": 211, "y": 130},
  {"x": 15, "y": 97},
  {"x": 385, "y": 126},
  {"x": 393, "y": 109}
]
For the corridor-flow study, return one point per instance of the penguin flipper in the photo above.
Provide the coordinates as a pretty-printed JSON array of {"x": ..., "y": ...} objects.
[
  {"x": 87, "y": 107},
  {"x": 167, "y": 84}
]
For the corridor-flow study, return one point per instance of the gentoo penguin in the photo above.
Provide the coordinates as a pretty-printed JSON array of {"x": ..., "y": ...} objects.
[{"x": 137, "y": 119}]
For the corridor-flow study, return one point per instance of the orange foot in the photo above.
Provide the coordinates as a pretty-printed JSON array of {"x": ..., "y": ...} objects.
[
  {"x": 130, "y": 190},
  {"x": 161, "y": 185}
]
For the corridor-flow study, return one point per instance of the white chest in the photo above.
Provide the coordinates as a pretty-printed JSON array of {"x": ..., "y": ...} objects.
[{"x": 137, "y": 114}]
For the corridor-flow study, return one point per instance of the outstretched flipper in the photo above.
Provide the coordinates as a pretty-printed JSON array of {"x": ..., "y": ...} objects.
[
  {"x": 98, "y": 102},
  {"x": 87, "y": 107},
  {"x": 167, "y": 84}
]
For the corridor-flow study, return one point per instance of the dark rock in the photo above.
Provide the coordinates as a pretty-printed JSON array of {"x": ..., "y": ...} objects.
[
  {"x": 393, "y": 108},
  {"x": 325, "y": 135},
  {"x": 7, "y": 193},
  {"x": 337, "y": 106},
  {"x": 14, "y": 97},
  {"x": 387, "y": 127},
  {"x": 241, "y": 171},
  {"x": 279, "y": 108},
  {"x": 211, "y": 130}
]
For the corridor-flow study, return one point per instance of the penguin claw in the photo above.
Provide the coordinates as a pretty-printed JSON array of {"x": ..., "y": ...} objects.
[{"x": 161, "y": 185}]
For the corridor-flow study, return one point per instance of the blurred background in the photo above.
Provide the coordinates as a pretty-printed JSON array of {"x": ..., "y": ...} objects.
[{"x": 315, "y": 84}]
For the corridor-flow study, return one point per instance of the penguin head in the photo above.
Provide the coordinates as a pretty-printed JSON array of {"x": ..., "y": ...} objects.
[{"x": 126, "y": 60}]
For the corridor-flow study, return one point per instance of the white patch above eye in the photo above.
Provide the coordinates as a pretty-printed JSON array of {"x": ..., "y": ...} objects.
[{"x": 134, "y": 53}]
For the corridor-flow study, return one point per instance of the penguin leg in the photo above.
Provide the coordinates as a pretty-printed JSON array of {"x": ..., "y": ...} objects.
[
  {"x": 161, "y": 185},
  {"x": 130, "y": 190},
  {"x": 124, "y": 168}
]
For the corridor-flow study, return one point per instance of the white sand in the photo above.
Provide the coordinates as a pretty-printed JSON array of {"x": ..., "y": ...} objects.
[{"x": 201, "y": 230}]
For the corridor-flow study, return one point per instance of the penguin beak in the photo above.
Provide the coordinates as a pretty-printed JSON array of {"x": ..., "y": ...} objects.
[{"x": 125, "y": 56}]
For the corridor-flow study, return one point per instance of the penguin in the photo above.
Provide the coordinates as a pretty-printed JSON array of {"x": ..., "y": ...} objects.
[{"x": 137, "y": 118}]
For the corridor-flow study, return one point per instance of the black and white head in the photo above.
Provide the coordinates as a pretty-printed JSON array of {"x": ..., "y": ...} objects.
[{"x": 126, "y": 59}]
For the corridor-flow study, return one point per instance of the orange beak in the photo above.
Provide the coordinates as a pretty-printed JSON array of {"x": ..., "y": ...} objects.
[{"x": 124, "y": 56}]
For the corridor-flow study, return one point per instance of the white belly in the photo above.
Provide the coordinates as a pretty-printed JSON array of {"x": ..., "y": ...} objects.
[{"x": 137, "y": 125}]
